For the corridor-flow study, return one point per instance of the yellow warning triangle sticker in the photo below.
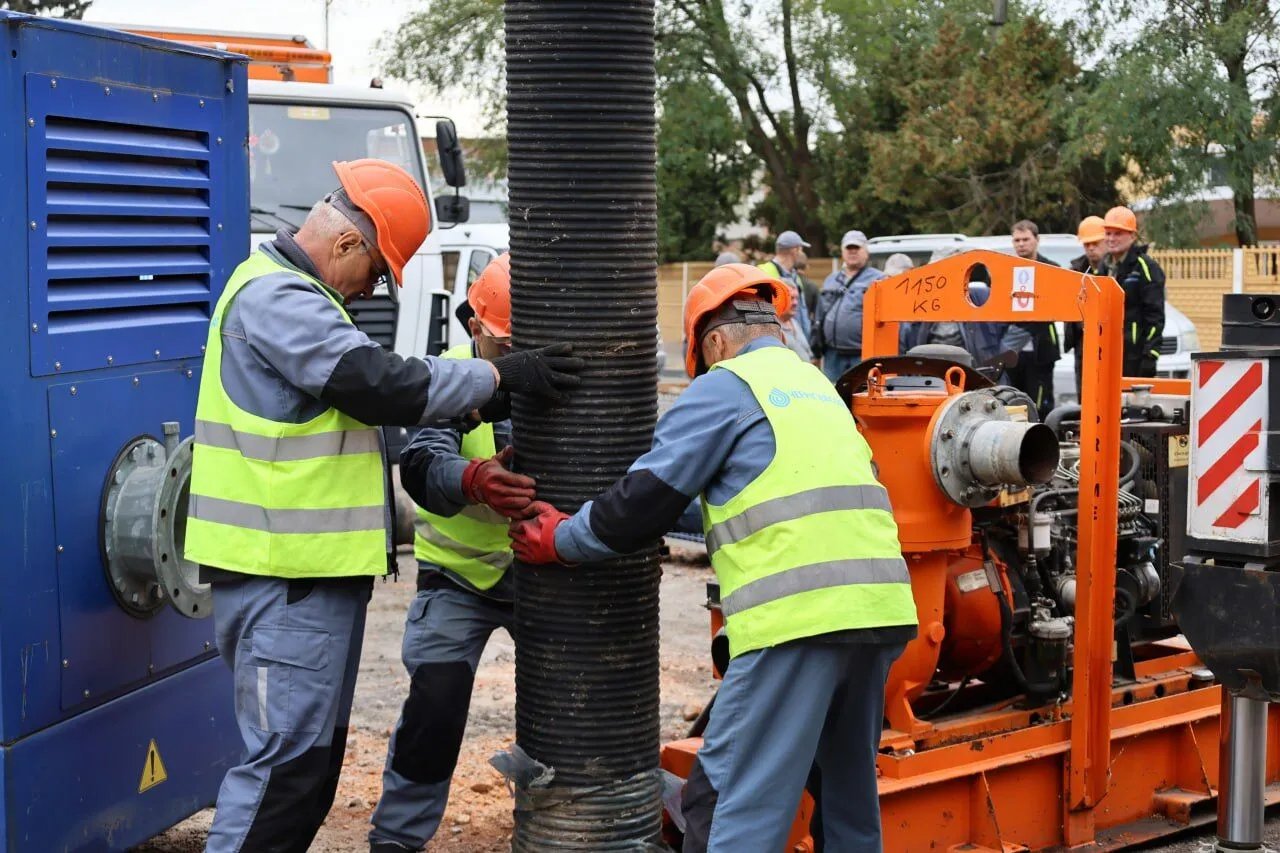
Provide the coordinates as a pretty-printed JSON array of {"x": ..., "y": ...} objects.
[{"x": 153, "y": 772}]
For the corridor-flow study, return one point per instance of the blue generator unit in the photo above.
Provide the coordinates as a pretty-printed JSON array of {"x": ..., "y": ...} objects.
[{"x": 126, "y": 209}]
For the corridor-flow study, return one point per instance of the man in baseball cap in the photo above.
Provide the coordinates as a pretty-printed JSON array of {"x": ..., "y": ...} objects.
[
  {"x": 838, "y": 329},
  {"x": 788, "y": 253}
]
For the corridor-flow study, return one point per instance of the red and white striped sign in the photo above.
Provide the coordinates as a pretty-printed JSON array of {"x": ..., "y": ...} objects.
[{"x": 1228, "y": 441}]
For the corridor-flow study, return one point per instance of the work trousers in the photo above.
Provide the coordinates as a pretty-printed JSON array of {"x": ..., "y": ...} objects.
[
  {"x": 835, "y": 363},
  {"x": 294, "y": 649},
  {"x": 779, "y": 712},
  {"x": 445, "y": 635}
]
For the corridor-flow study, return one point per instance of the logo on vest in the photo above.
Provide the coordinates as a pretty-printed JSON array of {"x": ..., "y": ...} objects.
[{"x": 779, "y": 399}]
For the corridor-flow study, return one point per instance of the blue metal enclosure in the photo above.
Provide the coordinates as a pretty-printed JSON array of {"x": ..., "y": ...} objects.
[{"x": 125, "y": 209}]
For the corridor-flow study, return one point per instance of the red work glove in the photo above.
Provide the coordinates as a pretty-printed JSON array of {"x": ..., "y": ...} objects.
[
  {"x": 487, "y": 481},
  {"x": 534, "y": 538}
]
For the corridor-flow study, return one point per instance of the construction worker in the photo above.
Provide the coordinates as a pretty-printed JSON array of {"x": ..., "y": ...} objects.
[
  {"x": 290, "y": 512},
  {"x": 838, "y": 329},
  {"x": 1033, "y": 374},
  {"x": 463, "y": 492},
  {"x": 812, "y": 581},
  {"x": 788, "y": 252},
  {"x": 1092, "y": 235},
  {"x": 1143, "y": 283}
]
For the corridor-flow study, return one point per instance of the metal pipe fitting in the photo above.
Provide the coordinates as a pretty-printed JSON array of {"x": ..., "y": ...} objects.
[
  {"x": 144, "y": 527},
  {"x": 1002, "y": 453},
  {"x": 978, "y": 449}
]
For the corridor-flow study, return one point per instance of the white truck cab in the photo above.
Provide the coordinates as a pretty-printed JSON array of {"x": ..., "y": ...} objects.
[{"x": 296, "y": 131}]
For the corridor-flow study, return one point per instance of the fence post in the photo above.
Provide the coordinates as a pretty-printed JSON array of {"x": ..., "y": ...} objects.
[
  {"x": 684, "y": 284},
  {"x": 1237, "y": 270}
]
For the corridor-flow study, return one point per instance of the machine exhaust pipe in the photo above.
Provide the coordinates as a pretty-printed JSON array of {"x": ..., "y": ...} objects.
[{"x": 978, "y": 449}]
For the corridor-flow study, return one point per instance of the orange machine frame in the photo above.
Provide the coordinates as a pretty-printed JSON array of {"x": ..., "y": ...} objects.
[{"x": 1115, "y": 765}]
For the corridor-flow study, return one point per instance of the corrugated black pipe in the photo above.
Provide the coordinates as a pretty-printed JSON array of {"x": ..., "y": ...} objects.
[{"x": 583, "y": 212}]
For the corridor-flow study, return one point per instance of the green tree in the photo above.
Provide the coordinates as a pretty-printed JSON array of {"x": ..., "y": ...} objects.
[
  {"x": 1190, "y": 98},
  {"x": 63, "y": 9},
  {"x": 702, "y": 168},
  {"x": 983, "y": 137}
]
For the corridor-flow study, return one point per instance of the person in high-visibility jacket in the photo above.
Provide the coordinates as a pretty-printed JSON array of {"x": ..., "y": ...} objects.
[
  {"x": 1143, "y": 283},
  {"x": 802, "y": 539},
  {"x": 289, "y": 515},
  {"x": 465, "y": 496}
]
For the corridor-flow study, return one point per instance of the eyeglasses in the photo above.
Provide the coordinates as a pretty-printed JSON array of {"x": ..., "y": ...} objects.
[{"x": 384, "y": 274}]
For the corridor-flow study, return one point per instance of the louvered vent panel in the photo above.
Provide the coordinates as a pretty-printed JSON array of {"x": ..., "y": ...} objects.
[
  {"x": 122, "y": 235},
  {"x": 376, "y": 317}
]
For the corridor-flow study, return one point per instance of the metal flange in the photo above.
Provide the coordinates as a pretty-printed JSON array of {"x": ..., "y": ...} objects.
[{"x": 144, "y": 523}]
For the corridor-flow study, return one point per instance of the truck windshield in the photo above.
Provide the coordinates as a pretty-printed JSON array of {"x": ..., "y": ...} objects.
[{"x": 292, "y": 148}]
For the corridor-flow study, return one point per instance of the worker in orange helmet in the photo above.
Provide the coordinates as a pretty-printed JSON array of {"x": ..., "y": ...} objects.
[
  {"x": 813, "y": 586},
  {"x": 1143, "y": 283},
  {"x": 1092, "y": 234},
  {"x": 290, "y": 490},
  {"x": 465, "y": 590}
]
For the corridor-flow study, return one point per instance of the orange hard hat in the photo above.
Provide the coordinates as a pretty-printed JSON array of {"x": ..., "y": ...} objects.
[
  {"x": 718, "y": 287},
  {"x": 390, "y": 197},
  {"x": 1121, "y": 219},
  {"x": 1092, "y": 230},
  {"x": 490, "y": 296}
]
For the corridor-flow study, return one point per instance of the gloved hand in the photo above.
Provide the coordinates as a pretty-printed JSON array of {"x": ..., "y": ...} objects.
[
  {"x": 498, "y": 408},
  {"x": 542, "y": 372},
  {"x": 1006, "y": 359},
  {"x": 534, "y": 539},
  {"x": 487, "y": 481}
]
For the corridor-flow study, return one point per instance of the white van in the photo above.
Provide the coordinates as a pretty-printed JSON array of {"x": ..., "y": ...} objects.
[{"x": 1177, "y": 344}]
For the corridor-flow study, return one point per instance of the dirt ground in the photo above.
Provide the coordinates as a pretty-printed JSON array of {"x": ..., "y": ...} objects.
[{"x": 478, "y": 819}]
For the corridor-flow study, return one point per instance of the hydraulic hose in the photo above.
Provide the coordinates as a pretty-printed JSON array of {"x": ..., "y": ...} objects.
[
  {"x": 581, "y": 135},
  {"x": 1061, "y": 414}
]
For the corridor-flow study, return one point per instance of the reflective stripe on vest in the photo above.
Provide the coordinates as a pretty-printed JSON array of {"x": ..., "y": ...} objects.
[
  {"x": 290, "y": 448},
  {"x": 810, "y": 546},
  {"x": 474, "y": 543},
  {"x": 792, "y": 507},
  {"x": 282, "y": 499}
]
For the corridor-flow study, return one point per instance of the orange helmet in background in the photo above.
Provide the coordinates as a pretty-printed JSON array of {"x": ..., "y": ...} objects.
[
  {"x": 389, "y": 196},
  {"x": 490, "y": 296},
  {"x": 1092, "y": 230},
  {"x": 718, "y": 287},
  {"x": 1121, "y": 219}
]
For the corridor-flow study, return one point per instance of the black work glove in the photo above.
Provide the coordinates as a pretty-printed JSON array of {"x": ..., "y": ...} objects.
[
  {"x": 540, "y": 372},
  {"x": 498, "y": 409},
  {"x": 1006, "y": 359}
]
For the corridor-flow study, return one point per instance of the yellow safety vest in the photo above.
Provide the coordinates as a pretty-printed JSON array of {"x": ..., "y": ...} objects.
[
  {"x": 474, "y": 544},
  {"x": 280, "y": 499},
  {"x": 810, "y": 546}
]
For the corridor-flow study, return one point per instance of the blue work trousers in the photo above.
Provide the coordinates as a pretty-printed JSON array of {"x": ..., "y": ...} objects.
[
  {"x": 444, "y": 636},
  {"x": 834, "y": 363},
  {"x": 294, "y": 649},
  {"x": 778, "y": 712}
]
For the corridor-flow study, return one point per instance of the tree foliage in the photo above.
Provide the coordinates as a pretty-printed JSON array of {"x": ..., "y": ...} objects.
[
  {"x": 702, "y": 168},
  {"x": 983, "y": 138},
  {"x": 63, "y": 9},
  {"x": 1188, "y": 99},
  {"x": 884, "y": 115}
]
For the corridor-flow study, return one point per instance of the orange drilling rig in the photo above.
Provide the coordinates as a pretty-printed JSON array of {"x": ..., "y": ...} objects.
[{"x": 1049, "y": 700}]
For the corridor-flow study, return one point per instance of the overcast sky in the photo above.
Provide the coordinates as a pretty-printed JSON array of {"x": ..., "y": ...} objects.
[{"x": 355, "y": 26}]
